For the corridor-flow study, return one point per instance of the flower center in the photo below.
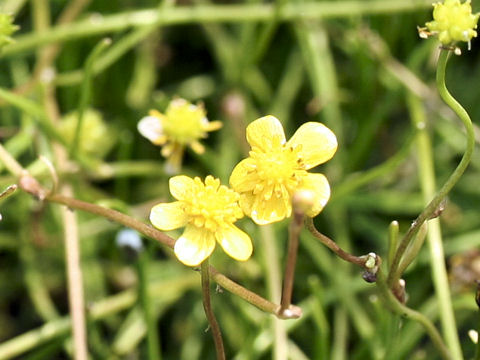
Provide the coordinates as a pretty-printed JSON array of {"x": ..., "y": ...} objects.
[
  {"x": 185, "y": 122},
  {"x": 212, "y": 205},
  {"x": 280, "y": 170}
]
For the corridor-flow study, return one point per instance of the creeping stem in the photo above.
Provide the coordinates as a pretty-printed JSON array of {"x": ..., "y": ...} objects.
[{"x": 394, "y": 275}]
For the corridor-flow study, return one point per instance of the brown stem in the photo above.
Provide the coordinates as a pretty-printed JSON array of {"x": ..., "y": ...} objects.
[
  {"x": 216, "y": 333},
  {"x": 289, "y": 277},
  {"x": 332, "y": 245},
  {"x": 113, "y": 215},
  {"x": 153, "y": 233}
]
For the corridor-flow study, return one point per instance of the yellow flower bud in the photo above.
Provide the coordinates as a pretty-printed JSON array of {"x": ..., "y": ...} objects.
[{"x": 453, "y": 21}]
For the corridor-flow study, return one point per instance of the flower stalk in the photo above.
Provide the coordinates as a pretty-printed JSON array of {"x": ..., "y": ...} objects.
[
  {"x": 332, "y": 245},
  {"x": 454, "y": 177},
  {"x": 214, "y": 327},
  {"x": 288, "y": 279}
]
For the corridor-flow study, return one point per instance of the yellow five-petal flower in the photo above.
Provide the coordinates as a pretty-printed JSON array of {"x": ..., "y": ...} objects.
[
  {"x": 182, "y": 124},
  {"x": 277, "y": 168},
  {"x": 208, "y": 211}
]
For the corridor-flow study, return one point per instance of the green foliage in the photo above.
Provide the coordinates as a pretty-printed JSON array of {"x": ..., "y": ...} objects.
[{"x": 357, "y": 66}]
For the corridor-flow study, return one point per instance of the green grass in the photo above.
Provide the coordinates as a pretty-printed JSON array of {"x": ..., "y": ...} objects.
[{"x": 357, "y": 66}]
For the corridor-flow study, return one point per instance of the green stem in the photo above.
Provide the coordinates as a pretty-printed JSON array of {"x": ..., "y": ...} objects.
[
  {"x": 8, "y": 191},
  {"x": 452, "y": 180},
  {"x": 153, "y": 345},
  {"x": 393, "y": 230},
  {"x": 273, "y": 283},
  {"x": 10, "y": 163},
  {"x": 212, "y": 14},
  {"x": 121, "y": 46},
  {"x": 434, "y": 236},
  {"x": 402, "y": 310},
  {"x": 477, "y": 348},
  {"x": 207, "y": 306},
  {"x": 85, "y": 91},
  {"x": 477, "y": 300}
]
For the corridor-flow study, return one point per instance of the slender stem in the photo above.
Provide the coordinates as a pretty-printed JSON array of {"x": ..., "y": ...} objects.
[
  {"x": 477, "y": 300},
  {"x": 215, "y": 328},
  {"x": 477, "y": 347},
  {"x": 114, "y": 216},
  {"x": 332, "y": 245},
  {"x": 41, "y": 15},
  {"x": 8, "y": 191},
  {"x": 10, "y": 163},
  {"x": 271, "y": 261},
  {"x": 75, "y": 281},
  {"x": 454, "y": 177},
  {"x": 86, "y": 91},
  {"x": 403, "y": 310},
  {"x": 434, "y": 236},
  {"x": 154, "y": 352},
  {"x": 393, "y": 230},
  {"x": 289, "y": 277}
]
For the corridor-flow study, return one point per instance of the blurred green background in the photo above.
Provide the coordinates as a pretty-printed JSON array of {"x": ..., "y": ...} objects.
[{"x": 357, "y": 66}]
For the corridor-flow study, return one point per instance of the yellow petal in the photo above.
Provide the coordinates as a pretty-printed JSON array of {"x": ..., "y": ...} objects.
[
  {"x": 194, "y": 246},
  {"x": 243, "y": 178},
  {"x": 197, "y": 147},
  {"x": 180, "y": 187},
  {"x": 318, "y": 184},
  {"x": 235, "y": 242},
  {"x": 265, "y": 132},
  {"x": 168, "y": 216},
  {"x": 151, "y": 128},
  {"x": 318, "y": 143},
  {"x": 212, "y": 125},
  {"x": 265, "y": 212}
]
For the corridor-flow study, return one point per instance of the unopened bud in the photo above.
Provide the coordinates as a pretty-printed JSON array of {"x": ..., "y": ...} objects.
[
  {"x": 473, "y": 335},
  {"x": 303, "y": 201}
]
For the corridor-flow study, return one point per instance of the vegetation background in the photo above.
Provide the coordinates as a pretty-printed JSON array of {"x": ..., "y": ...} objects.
[{"x": 358, "y": 66}]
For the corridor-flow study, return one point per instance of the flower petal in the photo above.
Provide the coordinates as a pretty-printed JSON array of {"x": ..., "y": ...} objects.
[
  {"x": 318, "y": 143},
  {"x": 235, "y": 242},
  {"x": 265, "y": 132},
  {"x": 318, "y": 184},
  {"x": 168, "y": 216},
  {"x": 151, "y": 128},
  {"x": 194, "y": 246},
  {"x": 212, "y": 125},
  {"x": 265, "y": 211},
  {"x": 180, "y": 187},
  {"x": 243, "y": 178}
]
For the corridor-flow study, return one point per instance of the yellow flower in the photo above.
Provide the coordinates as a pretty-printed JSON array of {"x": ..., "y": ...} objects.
[
  {"x": 453, "y": 21},
  {"x": 276, "y": 169},
  {"x": 208, "y": 211},
  {"x": 182, "y": 124}
]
